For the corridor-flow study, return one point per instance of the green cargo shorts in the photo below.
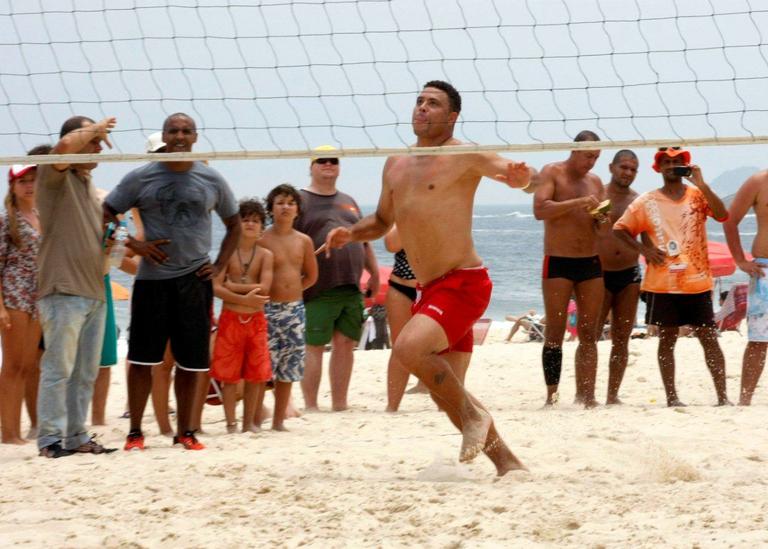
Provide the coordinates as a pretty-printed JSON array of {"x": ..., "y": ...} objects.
[{"x": 336, "y": 310}]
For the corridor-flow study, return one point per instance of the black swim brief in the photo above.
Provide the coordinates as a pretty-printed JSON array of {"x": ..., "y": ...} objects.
[
  {"x": 616, "y": 281},
  {"x": 575, "y": 269},
  {"x": 407, "y": 291}
]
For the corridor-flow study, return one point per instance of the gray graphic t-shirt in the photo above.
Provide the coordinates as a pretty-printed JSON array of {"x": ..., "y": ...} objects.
[{"x": 176, "y": 206}]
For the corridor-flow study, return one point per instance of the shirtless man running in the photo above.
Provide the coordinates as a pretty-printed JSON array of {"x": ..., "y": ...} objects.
[
  {"x": 621, "y": 272},
  {"x": 566, "y": 193},
  {"x": 430, "y": 199}
]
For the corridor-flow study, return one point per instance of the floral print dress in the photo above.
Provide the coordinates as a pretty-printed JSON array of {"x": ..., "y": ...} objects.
[{"x": 18, "y": 266}]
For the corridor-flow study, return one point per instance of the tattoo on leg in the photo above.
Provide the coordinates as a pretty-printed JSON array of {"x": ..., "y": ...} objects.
[{"x": 439, "y": 378}]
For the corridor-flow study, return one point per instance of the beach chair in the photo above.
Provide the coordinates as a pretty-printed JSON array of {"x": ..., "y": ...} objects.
[{"x": 734, "y": 309}]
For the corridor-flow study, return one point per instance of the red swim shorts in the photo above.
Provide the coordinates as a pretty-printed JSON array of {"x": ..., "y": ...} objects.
[
  {"x": 456, "y": 300},
  {"x": 241, "y": 350}
]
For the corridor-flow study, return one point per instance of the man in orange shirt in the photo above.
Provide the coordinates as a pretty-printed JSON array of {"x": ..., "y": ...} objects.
[{"x": 678, "y": 280}]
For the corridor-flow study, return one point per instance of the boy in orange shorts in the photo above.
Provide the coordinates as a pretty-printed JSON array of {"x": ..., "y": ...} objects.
[{"x": 241, "y": 351}]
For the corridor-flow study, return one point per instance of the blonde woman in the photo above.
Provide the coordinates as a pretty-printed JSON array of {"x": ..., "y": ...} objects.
[{"x": 19, "y": 323}]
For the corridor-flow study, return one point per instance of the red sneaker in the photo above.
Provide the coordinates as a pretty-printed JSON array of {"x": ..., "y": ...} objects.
[
  {"x": 134, "y": 441},
  {"x": 189, "y": 441}
]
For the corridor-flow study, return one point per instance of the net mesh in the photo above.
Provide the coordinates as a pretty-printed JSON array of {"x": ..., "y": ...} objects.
[{"x": 280, "y": 77}]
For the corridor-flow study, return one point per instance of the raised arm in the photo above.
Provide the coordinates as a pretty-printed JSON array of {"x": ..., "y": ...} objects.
[
  {"x": 371, "y": 226},
  {"x": 745, "y": 199},
  {"x": 76, "y": 140},
  {"x": 719, "y": 211},
  {"x": 517, "y": 175},
  {"x": 392, "y": 241}
]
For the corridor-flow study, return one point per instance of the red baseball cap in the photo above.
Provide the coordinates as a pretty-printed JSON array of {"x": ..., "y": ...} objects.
[
  {"x": 670, "y": 152},
  {"x": 18, "y": 170}
]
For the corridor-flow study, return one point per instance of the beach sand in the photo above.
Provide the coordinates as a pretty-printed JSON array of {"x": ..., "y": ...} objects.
[{"x": 638, "y": 475}]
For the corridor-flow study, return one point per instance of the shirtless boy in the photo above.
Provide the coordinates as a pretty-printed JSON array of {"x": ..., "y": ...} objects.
[
  {"x": 566, "y": 193},
  {"x": 430, "y": 198},
  {"x": 295, "y": 270},
  {"x": 753, "y": 194},
  {"x": 621, "y": 272},
  {"x": 241, "y": 351}
]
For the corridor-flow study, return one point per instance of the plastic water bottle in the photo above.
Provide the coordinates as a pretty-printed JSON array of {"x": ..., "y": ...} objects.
[{"x": 118, "y": 248}]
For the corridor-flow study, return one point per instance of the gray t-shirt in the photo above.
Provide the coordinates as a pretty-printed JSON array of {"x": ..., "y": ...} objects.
[{"x": 176, "y": 206}]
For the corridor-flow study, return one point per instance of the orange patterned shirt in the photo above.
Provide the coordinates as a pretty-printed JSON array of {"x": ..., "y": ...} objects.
[{"x": 679, "y": 228}]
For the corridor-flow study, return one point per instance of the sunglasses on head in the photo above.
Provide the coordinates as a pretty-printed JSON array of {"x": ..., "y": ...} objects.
[
  {"x": 332, "y": 161},
  {"x": 664, "y": 149}
]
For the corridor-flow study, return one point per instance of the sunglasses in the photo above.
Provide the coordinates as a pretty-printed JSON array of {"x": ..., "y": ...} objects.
[
  {"x": 332, "y": 161},
  {"x": 665, "y": 149}
]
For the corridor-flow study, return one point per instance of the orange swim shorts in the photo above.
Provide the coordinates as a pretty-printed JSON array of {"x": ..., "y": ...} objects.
[
  {"x": 241, "y": 350},
  {"x": 456, "y": 300}
]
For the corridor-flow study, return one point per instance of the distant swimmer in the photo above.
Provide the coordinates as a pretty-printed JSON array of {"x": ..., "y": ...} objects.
[
  {"x": 430, "y": 198},
  {"x": 567, "y": 200}
]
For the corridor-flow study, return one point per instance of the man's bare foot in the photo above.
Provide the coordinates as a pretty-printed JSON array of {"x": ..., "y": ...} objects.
[
  {"x": 15, "y": 440},
  {"x": 171, "y": 434},
  {"x": 390, "y": 410},
  {"x": 291, "y": 412},
  {"x": 32, "y": 433},
  {"x": 742, "y": 402},
  {"x": 590, "y": 404},
  {"x": 280, "y": 428},
  {"x": 311, "y": 409},
  {"x": 675, "y": 403},
  {"x": 724, "y": 402},
  {"x": 231, "y": 428},
  {"x": 474, "y": 434},
  {"x": 613, "y": 401},
  {"x": 253, "y": 428},
  {"x": 509, "y": 463},
  {"x": 417, "y": 389},
  {"x": 340, "y": 407},
  {"x": 552, "y": 400}
]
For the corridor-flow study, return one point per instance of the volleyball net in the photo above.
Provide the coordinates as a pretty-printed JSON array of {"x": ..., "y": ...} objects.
[{"x": 276, "y": 78}]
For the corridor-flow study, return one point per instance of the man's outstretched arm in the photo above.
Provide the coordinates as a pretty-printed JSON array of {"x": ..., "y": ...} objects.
[{"x": 371, "y": 227}]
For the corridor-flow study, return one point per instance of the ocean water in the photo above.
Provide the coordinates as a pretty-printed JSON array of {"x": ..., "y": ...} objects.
[{"x": 510, "y": 241}]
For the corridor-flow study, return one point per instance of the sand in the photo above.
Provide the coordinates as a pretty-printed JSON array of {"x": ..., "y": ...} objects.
[{"x": 638, "y": 475}]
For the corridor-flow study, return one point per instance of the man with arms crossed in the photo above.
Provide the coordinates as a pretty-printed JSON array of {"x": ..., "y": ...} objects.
[
  {"x": 678, "y": 280},
  {"x": 566, "y": 194},
  {"x": 430, "y": 198},
  {"x": 621, "y": 272},
  {"x": 173, "y": 294},
  {"x": 752, "y": 194}
]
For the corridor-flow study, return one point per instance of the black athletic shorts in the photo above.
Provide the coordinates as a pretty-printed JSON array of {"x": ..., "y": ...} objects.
[
  {"x": 615, "y": 281},
  {"x": 177, "y": 309},
  {"x": 575, "y": 269},
  {"x": 670, "y": 310}
]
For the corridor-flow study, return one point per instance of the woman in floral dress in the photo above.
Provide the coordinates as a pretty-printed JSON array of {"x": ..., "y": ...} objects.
[{"x": 19, "y": 324}]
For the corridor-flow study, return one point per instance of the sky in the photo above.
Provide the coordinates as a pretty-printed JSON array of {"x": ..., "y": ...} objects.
[{"x": 282, "y": 75}]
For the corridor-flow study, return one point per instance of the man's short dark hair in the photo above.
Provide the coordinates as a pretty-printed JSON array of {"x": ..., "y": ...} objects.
[
  {"x": 178, "y": 115},
  {"x": 586, "y": 135},
  {"x": 621, "y": 154},
  {"x": 250, "y": 207},
  {"x": 73, "y": 123},
  {"x": 40, "y": 149},
  {"x": 283, "y": 189},
  {"x": 454, "y": 99}
]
